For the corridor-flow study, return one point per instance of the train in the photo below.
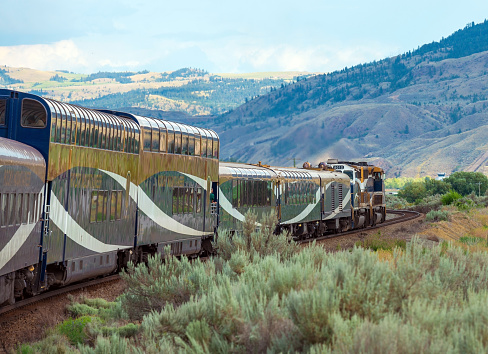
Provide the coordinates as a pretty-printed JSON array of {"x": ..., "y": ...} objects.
[{"x": 85, "y": 191}]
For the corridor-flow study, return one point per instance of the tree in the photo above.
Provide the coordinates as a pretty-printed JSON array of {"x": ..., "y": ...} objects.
[
  {"x": 468, "y": 182},
  {"x": 413, "y": 191},
  {"x": 434, "y": 187}
]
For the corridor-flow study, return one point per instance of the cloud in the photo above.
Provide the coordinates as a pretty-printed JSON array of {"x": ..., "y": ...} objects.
[
  {"x": 237, "y": 56},
  {"x": 59, "y": 55},
  {"x": 63, "y": 55}
]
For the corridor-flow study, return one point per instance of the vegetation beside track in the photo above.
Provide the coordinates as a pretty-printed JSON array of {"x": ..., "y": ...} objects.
[{"x": 266, "y": 294}]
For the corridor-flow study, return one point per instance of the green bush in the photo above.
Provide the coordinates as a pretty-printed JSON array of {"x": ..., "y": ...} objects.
[
  {"x": 471, "y": 240},
  {"x": 449, "y": 198},
  {"x": 381, "y": 242},
  {"x": 73, "y": 329}
]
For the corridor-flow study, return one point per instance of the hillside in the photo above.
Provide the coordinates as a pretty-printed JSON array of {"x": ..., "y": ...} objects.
[
  {"x": 416, "y": 114},
  {"x": 193, "y": 91}
]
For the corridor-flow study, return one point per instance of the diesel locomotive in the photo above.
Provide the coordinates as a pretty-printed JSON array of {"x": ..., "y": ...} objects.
[{"x": 85, "y": 191}]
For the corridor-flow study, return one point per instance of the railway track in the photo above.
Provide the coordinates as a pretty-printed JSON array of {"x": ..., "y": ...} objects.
[
  {"x": 57, "y": 292},
  {"x": 403, "y": 215}
]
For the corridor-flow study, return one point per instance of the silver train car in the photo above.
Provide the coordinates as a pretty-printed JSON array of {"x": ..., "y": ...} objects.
[{"x": 308, "y": 203}]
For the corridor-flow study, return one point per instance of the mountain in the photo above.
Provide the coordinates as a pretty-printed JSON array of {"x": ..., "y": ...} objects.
[
  {"x": 415, "y": 114},
  {"x": 189, "y": 90}
]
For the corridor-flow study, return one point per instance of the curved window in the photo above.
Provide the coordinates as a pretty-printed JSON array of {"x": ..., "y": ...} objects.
[
  {"x": 171, "y": 138},
  {"x": 155, "y": 136},
  {"x": 162, "y": 135},
  {"x": 191, "y": 140},
  {"x": 34, "y": 114},
  {"x": 3, "y": 108},
  {"x": 198, "y": 140}
]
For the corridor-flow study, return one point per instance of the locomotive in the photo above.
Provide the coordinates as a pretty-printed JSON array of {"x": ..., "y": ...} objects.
[{"x": 86, "y": 191}]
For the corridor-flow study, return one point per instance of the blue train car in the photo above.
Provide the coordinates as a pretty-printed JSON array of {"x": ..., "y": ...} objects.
[
  {"x": 117, "y": 187},
  {"x": 22, "y": 174}
]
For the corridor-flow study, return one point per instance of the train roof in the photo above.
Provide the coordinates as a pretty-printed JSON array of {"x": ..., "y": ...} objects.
[
  {"x": 264, "y": 171},
  {"x": 15, "y": 153}
]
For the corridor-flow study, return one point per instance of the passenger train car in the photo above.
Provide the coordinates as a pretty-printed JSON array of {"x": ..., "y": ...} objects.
[
  {"x": 84, "y": 191},
  {"x": 95, "y": 189},
  {"x": 308, "y": 203}
]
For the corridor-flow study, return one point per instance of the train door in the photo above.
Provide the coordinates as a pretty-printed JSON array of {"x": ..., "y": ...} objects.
[
  {"x": 214, "y": 203},
  {"x": 6, "y": 110}
]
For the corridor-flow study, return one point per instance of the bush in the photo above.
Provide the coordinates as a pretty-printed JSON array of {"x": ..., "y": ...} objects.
[
  {"x": 74, "y": 329},
  {"x": 256, "y": 243},
  {"x": 449, "y": 198},
  {"x": 437, "y": 215},
  {"x": 428, "y": 203},
  {"x": 381, "y": 242},
  {"x": 471, "y": 241},
  {"x": 395, "y": 202}
]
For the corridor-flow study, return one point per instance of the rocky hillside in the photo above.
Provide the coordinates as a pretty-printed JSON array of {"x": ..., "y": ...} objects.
[{"x": 416, "y": 114}]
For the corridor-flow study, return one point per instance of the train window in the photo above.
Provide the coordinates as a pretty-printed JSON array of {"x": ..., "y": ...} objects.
[
  {"x": 178, "y": 142},
  {"x": 209, "y": 147},
  {"x": 54, "y": 123},
  {"x": 171, "y": 141},
  {"x": 25, "y": 210},
  {"x": 75, "y": 134},
  {"x": 204, "y": 147},
  {"x": 162, "y": 139},
  {"x": 155, "y": 139},
  {"x": 175, "y": 201},
  {"x": 118, "y": 209},
  {"x": 147, "y": 138},
  {"x": 3, "y": 109},
  {"x": 69, "y": 127},
  {"x": 33, "y": 114},
  {"x": 57, "y": 118},
  {"x": 199, "y": 200},
  {"x": 98, "y": 137},
  {"x": 136, "y": 139},
  {"x": 3, "y": 210},
  {"x": 198, "y": 140},
  {"x": 93, "y": 131},
  {"x": 93, "y": 206},
  {"x": 104, "y": 134},
  {"x": 31, "y": 208},
  {"x": 191, "y": 144},
  {"x": 117, "y": 133},
  {"x": 102, "y": 206},
  {"x": 110, "y": 134},
  {"x": 184, "y": 144},
  {"x": 215, "y": 148},
  {"x": 18, "y": 208},
  {"x": 113, "y": 205},
  {"x": 82, "y": 129}
]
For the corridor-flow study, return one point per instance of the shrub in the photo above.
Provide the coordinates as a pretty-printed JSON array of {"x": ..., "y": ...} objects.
[
  {"x": 449, "y": 198},
  {"x": 395, "y": 202},
  {"x": 256, "y": 243},
  {"x": 429, "y": 203},
  {"x": 381, "y": 242},
  {"x": 73, "y": 329},
  {"x": 470, "y": 240},
  {"x": 437, "y": 215}
]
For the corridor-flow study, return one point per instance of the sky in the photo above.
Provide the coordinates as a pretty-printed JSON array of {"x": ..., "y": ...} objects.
[{"x": 222, "y": 36}]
